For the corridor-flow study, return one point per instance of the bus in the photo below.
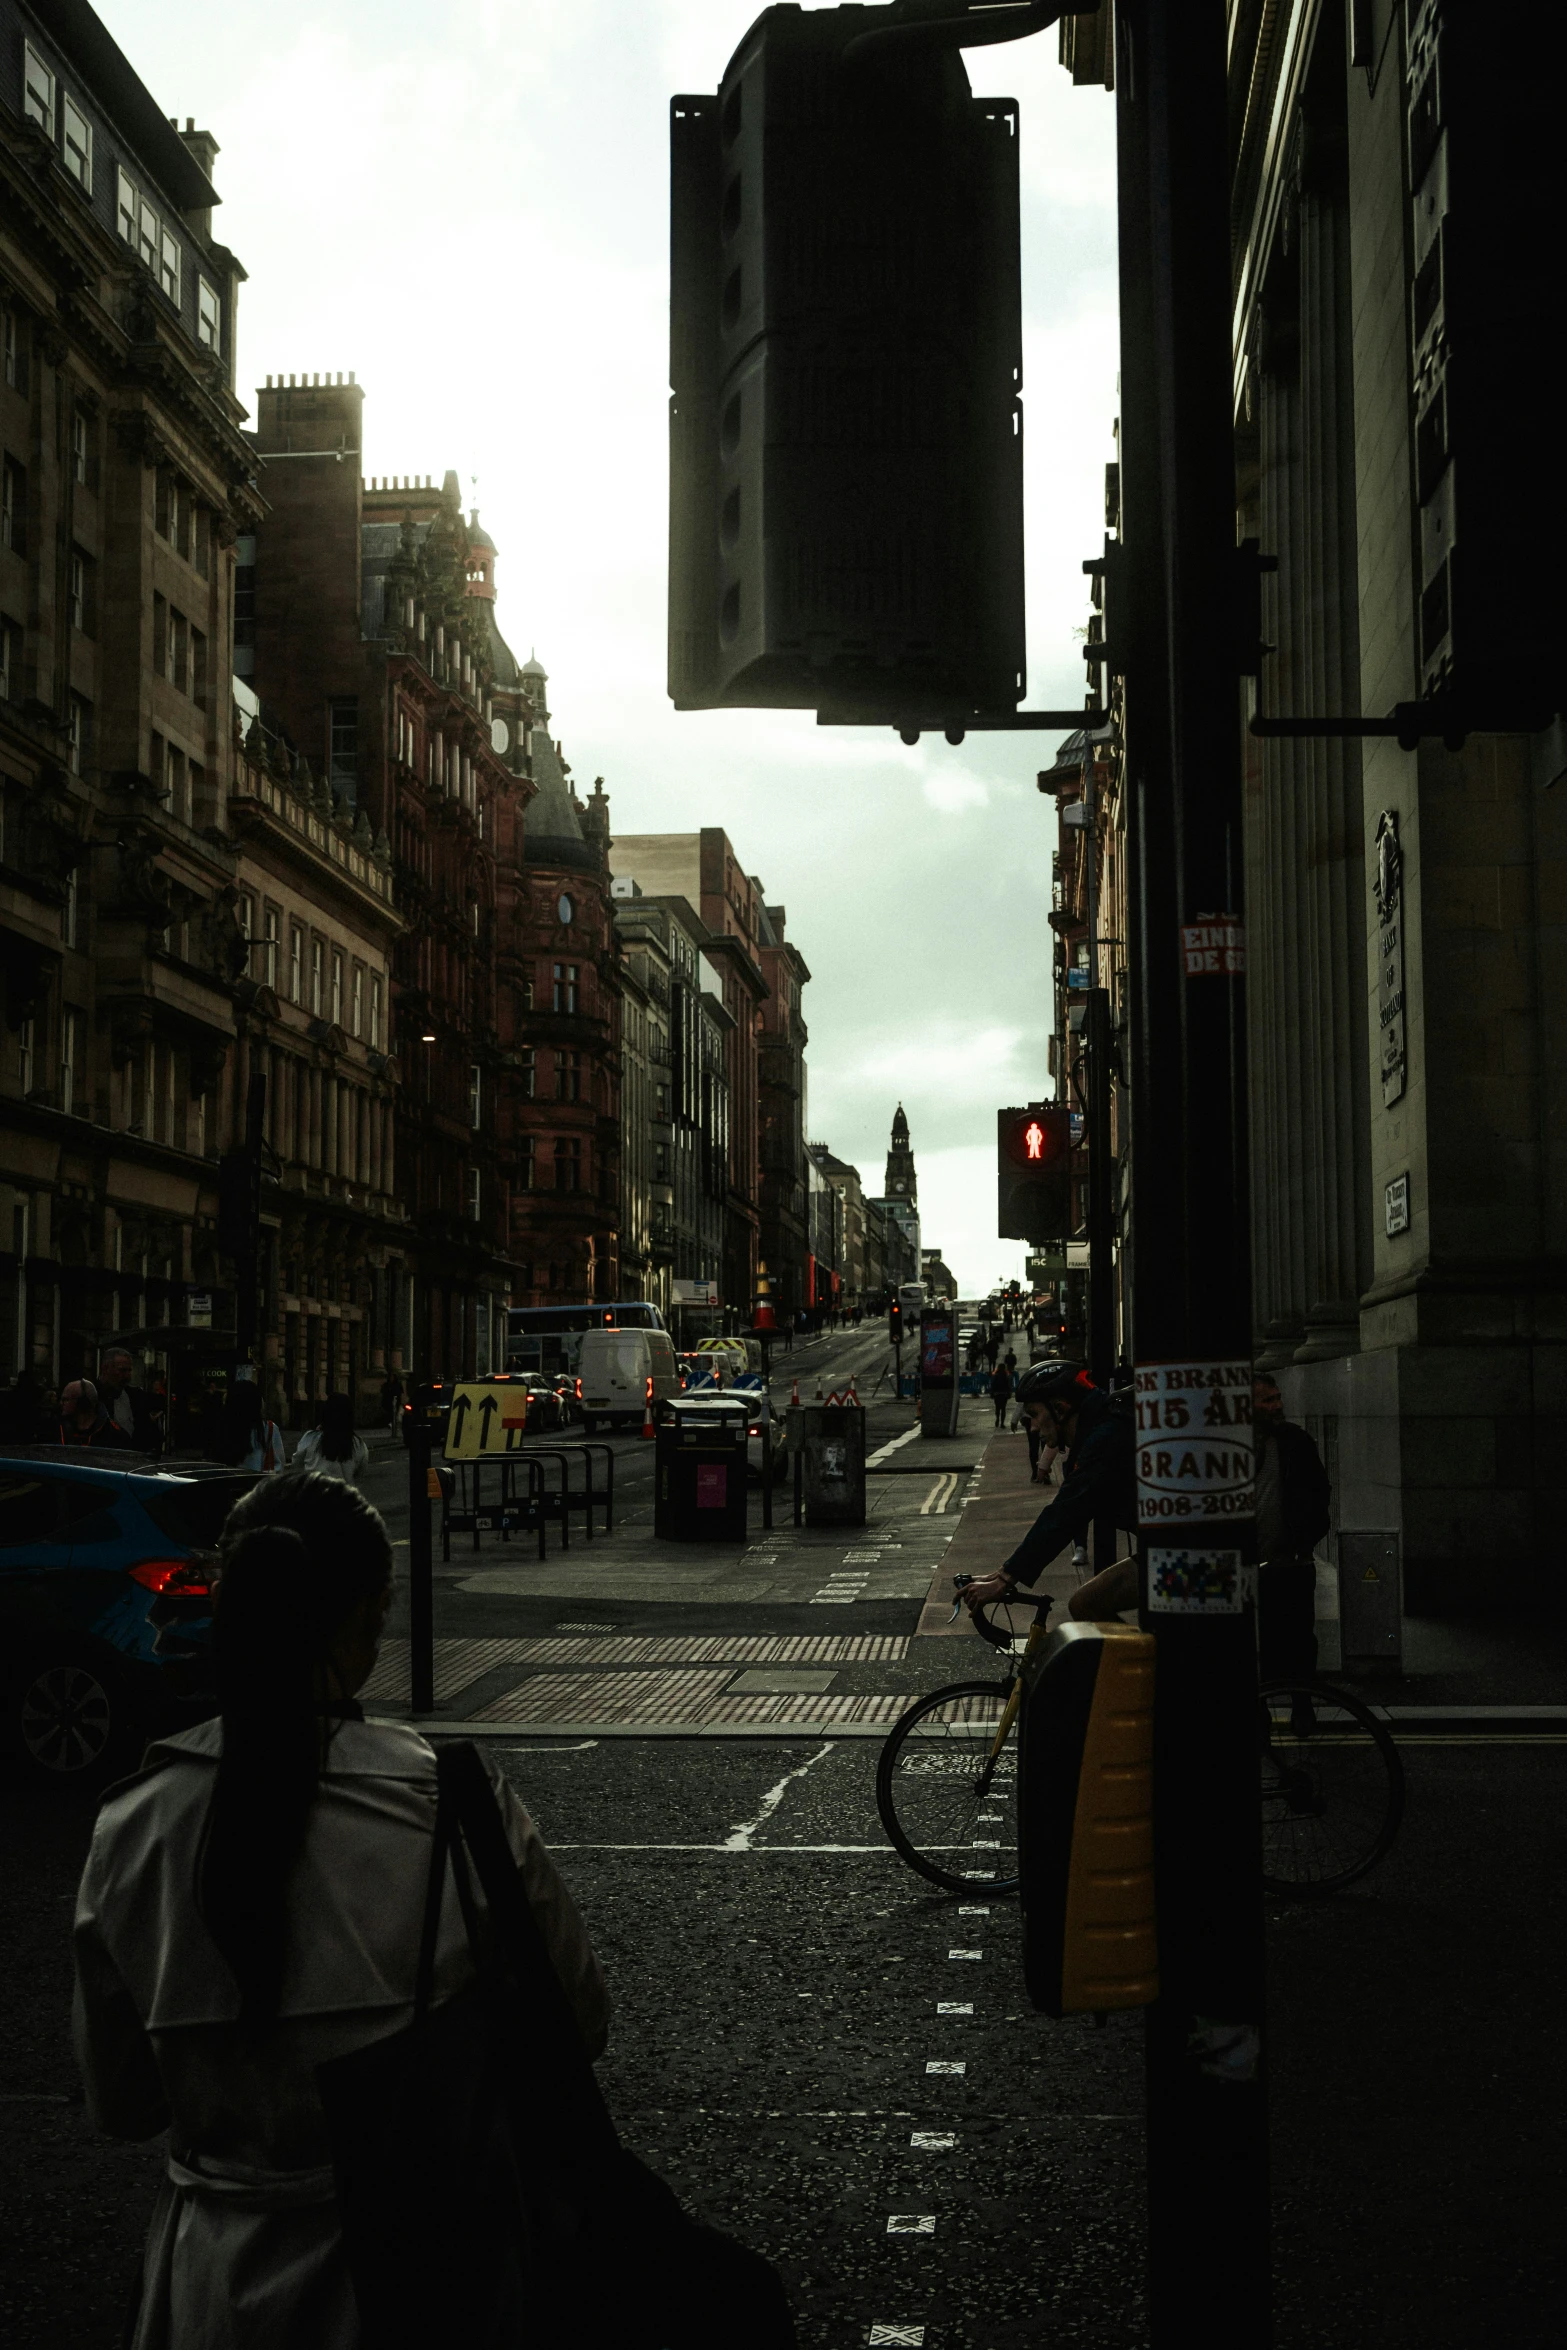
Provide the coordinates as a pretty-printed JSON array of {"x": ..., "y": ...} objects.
[{"x": 548, "y": 1339}]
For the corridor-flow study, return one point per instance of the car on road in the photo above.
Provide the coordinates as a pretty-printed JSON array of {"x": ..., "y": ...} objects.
[
  {"x": 105, "y": 1606},
  {"x": 544, "y": 1408},
  {"x": 696, "y": 1371},
  {"x": 767, "y": 1436},
  {"x": 430, "y": 1401}
]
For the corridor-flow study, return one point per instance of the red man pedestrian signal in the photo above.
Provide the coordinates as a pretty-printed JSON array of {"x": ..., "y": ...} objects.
[{"x": 1034, "y": 1170}]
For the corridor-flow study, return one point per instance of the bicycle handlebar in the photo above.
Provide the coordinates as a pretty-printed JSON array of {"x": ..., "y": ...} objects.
[{"x": 987, "y": 1630}]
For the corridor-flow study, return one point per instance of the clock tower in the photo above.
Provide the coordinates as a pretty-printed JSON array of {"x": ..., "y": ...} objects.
[{"x": 901, "y": 1181}]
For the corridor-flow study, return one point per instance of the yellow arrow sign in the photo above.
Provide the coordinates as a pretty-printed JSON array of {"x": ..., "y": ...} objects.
[{"x": 485, "y": 1421}]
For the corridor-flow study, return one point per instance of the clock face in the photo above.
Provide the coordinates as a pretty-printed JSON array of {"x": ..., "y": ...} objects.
[
  {"x": 500, "y": 735},
  {"x": 564, "y": 907}
]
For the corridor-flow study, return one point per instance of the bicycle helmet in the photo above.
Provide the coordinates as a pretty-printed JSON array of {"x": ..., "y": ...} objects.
[{"x": 1053, "y": 1381}]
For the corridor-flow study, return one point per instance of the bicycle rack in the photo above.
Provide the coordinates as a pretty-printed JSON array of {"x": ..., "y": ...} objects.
[{"x": 509, "y": 1516}]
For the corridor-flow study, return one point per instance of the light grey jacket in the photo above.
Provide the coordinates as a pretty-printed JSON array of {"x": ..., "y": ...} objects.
[{"x": 245, "y": 2248}]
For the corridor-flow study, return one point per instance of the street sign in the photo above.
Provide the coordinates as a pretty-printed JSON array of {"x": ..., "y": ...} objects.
[
  {"x": 198, "y": 1310},
  {"x": 485, "y": 1421}
]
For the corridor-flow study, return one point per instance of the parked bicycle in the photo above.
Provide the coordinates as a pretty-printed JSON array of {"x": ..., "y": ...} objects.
[{"x": 1332, "y": 1792}]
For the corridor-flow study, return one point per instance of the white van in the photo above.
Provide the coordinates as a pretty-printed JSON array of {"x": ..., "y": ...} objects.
[{"x": 613, "y": 1371}]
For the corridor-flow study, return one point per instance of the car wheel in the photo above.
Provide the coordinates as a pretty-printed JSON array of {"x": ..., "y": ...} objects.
[{"x": 74, "y": 1724}]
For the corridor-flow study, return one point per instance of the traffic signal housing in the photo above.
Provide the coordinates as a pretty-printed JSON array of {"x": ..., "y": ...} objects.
[
  {"x": 895, "y": 1323},
  {"x": 846, "y": 435},
  {"x": 1034, "y": 1172}
]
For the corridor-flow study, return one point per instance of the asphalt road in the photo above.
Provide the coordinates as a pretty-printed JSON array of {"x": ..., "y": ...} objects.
[{"x": 783, "y": 1987}]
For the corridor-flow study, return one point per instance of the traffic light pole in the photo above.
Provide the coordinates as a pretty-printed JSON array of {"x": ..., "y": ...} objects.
[{"x": 1191, "y": 1296}]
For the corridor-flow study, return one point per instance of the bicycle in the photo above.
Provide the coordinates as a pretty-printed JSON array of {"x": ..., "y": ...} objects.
[{"x": 1332, "y": 1784}]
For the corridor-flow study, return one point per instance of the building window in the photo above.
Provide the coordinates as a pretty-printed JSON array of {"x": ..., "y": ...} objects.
[
  {"x": 375, "y": 1011},
  {"x": 78, "y": 147},
  {"x": 475, "y": 1097},
  {"x": 24, "y": 1056},
  {"x": 81, "y": 579},
  {"x": 564, "y": 998},
  {"x": 474, "y": 1193},
  {"x": 70, "y": 1061},
  {"x": 37, "y": 90},
  {"x": 524, "y": 1164},
  {"x": 296, "y": 965},
  {"x": 126, "y": 201},
  {"x": 337, "y": 987},
  {"x": 169, "y": 267},
  {"x": 80, "y": 731},
  {"x": 68, "y": 912},
  {"x": 271, "y": 925},
  {"x": 10, "y": 660},
  {"x": 79, "y": 447},
  {"x": 317, "y": 975},
  {"x": 568, "y": 1077},
  {"x": 359, "y": 1000},
  {"x": 344, "y": 748},
  {"x": 13, "y": 507},
  {"x": 209, "y": 315},
  {"x": 568, "y": 1164},
  {"x": 147, "y": 225},
  {"x": 526, "y": 1070}
]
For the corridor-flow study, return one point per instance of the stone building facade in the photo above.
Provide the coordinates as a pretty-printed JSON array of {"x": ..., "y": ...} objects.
[
  {"x": 124, "y": 483},
  {"x": 375, "y": 661},
  {"x": 1407, "y": 994},
  {"x": 783, "y": 1238},
  {"x": 703, "y": 869}
]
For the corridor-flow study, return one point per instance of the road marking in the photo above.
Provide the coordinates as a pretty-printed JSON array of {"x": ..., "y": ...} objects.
[
  {"x": 942, "y": 2064},
  {"x": 740, "y": 1837},
  {"x": 973, "y": 1913},
  {"x": 893, "y": 2334},
  {"x": 884, "y": 1451},
  {"x": 912, "y": 2223},
  {"x": 965, "y": 1954},
  {"x": 934, "y": 2141},
  {"x": 954, "y": 2007}
]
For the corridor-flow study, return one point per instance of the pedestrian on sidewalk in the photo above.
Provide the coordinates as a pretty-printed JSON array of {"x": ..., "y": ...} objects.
[
  {"x": 334, "y": 1445},
  {"x": 1001, "y": 1392},
  {"x": 83, "y": 1420},
  {"x": 392, "y": 1400},
  {"x": 249, "y": 1438},
  {"x": 130, "y": 1408},
  {"x": 1294, "y": 1511},
  {"x": 251, "y": 1908}
]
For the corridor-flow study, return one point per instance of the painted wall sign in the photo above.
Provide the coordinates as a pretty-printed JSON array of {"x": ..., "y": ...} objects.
[
  {"x": 1389, "y": 884},
  {"x": 1194, "y": 1443},
  {"x": 1214, "y": 947}
]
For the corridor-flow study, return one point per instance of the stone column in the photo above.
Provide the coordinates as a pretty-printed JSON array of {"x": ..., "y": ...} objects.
[{"x": 1304, "y": 850}]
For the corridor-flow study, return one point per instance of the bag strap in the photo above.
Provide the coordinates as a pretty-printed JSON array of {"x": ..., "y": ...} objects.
[
  {"x": 435, "y": 1887},
  {"x": 560, "y": 2053}
]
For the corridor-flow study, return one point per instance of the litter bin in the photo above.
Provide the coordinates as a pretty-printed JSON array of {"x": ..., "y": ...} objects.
[
  {"x": 699, "y": 1469},
  {"x": 828, "y": 1444}
]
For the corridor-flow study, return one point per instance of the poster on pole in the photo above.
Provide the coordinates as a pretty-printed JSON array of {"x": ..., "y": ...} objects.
[{"x": 1194, "y": 1444}]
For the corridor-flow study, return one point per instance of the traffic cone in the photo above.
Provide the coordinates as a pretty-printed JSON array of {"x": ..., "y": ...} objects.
[
  {"x": 648, "y": 1428},
  {"x": 818, "y": 1387},
  {"x": 853, "y": 1398},
  {"x": 794, "y": 1396}
]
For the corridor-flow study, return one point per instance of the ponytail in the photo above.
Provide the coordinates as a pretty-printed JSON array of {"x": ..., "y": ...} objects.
[{"x": 299, "y": 1554}]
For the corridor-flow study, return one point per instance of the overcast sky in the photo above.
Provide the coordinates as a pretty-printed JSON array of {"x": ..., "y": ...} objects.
[{"x": 468, "y": 206}]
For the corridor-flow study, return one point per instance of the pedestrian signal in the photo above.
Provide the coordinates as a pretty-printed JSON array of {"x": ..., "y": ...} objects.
[
  {"x": 846, "y": 450},
  {"x": 895, "y": 1323},
  {"x": 1034, "y": 1172}
]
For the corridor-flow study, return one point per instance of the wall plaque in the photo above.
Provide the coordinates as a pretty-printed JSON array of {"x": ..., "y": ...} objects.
[{"x": 1390, "y": 954}]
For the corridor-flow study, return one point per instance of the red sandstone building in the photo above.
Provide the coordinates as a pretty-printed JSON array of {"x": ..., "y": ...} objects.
[{"x": 369, "y": 609}]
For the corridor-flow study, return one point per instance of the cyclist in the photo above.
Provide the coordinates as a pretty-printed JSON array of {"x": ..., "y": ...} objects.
[{"x": 1062, "y": 1404}]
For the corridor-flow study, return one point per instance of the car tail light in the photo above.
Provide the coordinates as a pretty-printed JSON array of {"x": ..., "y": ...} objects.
[
  {"x": 753, "y": 1431},
  {"x": 579, "y": 1391},
  {"x": 173, "y": 1578}
]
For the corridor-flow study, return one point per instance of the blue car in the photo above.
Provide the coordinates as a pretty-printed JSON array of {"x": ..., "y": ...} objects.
[{"x": 105, "y": 1607}]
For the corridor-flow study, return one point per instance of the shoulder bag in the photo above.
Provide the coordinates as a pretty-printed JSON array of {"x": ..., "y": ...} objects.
[{"x": 485, "y": 2195}]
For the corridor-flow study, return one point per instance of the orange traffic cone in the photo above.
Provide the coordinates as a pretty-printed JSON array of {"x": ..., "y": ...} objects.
[
  {"x": 648, "y": 1428},
  {"x": 794, "y": 1396}
]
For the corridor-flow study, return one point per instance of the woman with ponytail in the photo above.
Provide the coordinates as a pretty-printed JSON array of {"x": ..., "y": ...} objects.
[{"x": 251, "y": 1908}]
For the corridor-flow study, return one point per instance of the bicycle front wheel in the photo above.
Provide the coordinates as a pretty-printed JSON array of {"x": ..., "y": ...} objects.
[
  {"x": 950, "y": 1811},
  {"x": 1332, "y": 1788}
]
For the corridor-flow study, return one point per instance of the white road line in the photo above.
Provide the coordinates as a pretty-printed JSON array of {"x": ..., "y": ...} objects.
[
  {"x": 897, "y": 1442},
  {"x": 954, "y": 2007},
  {"x": 885, "y": 2337},
  {"x": 934, "y": 2141},
  {"x": 965, "y": 1954},
  {"x": 942, "y": 2064},
  {"x": 973, "y": 1913},
  {"x": 739, "y": 1838},
  {"x": 911, "y": 2223}
]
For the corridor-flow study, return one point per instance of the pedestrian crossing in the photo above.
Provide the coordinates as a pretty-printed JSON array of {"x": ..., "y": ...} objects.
[{"x": 460, "y": 1663}]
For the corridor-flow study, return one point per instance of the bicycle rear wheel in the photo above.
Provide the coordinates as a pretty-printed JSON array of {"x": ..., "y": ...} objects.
[
  {"x": 948, "y": 1813},
  {"x": 1332, "y": 1788}
]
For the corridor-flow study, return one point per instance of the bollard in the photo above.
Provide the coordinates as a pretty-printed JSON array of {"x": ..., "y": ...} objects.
[{"x": 421, "y": 1570}]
